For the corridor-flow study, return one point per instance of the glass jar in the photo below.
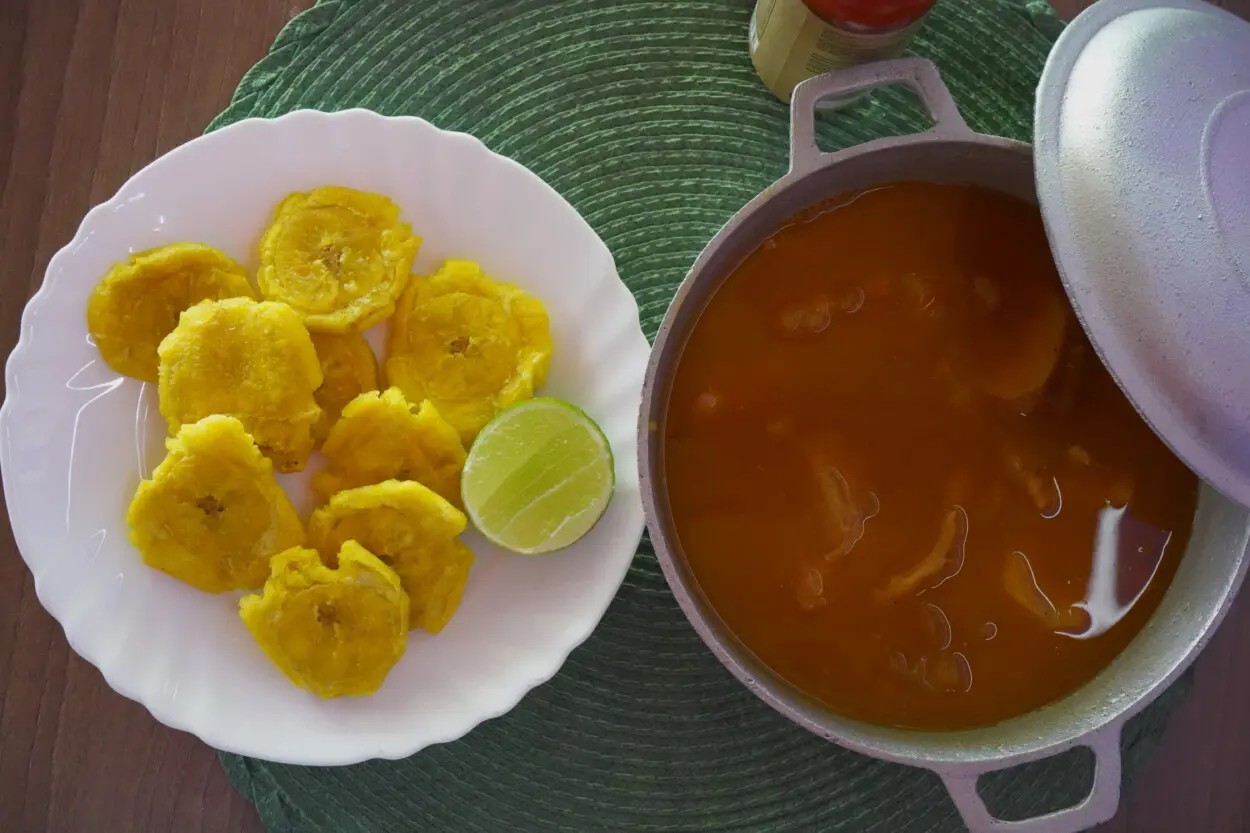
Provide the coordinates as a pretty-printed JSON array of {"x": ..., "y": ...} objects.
[{"x": 792, "y": 40}]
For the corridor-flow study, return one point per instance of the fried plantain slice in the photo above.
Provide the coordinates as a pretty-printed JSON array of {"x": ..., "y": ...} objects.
[
  {"x": 212, "y": 513},
  {"x": 138, "y": 301},
  {"x": 252, "y": 360},
  {"x": 348, "y": 369},
  {"x": 468, "y": 344},
  {"x": 338, "y": 256},
  {"x": 411, "y": 529},
  {"x": 332, "y": 631},
  {"x": 382, "y": 436}
]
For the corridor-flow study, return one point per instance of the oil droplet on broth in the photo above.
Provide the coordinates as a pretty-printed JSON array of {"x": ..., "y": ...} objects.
[
  {"x": 811, "y": 590},
  {"x": 843, "y": 516},
  {"x": 937, "y": 626},
  {"x": 953, "y": 673},
  {"x": 852, "y": 300},
  {"x": 807, "y": 319}
]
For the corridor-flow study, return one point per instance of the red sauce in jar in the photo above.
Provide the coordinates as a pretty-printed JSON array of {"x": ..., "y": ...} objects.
[{"x": 871, "y": 14}]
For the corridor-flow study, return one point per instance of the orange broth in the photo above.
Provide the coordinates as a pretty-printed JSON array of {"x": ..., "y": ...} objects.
[{"x": 902, "y": 476}]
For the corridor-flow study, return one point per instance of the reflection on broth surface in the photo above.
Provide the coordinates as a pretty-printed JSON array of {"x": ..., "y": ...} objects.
[{"x": 901, "y": 475}]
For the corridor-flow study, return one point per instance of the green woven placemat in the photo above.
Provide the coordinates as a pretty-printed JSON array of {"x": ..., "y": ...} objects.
[{"x": 647, "y": 116}]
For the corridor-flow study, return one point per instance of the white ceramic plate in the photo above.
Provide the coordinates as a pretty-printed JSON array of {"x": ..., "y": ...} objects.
[{"x": 75, "y": 438}]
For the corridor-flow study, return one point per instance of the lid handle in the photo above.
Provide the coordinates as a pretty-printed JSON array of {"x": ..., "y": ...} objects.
[
  {"x": 1099, "y": 806},
  {"x": 919, "y": 74}
]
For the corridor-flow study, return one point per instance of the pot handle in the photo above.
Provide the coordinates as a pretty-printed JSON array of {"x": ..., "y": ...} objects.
[
  {"x": 919, "y": 74},
  {"x": 1099, "y": 806}
]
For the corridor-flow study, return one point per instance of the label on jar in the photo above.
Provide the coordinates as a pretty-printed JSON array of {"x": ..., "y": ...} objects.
[{"x": 789, "y": 44}]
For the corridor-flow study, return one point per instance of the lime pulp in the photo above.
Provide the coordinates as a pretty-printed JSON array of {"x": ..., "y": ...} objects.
[{"x": 538, "y": 477}]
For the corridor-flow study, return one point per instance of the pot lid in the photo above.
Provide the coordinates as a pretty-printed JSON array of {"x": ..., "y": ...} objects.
[{"x": 1143, "y": 174}]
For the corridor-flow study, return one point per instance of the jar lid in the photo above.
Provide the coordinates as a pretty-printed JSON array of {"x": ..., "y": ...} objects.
[{"x": 1143, "y": 174}]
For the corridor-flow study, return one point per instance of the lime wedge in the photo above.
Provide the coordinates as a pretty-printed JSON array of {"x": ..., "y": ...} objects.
[{"x": 538, "y": 477}]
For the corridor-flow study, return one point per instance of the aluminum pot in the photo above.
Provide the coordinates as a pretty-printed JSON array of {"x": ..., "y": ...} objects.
[{"x": 1210, "y": 571}]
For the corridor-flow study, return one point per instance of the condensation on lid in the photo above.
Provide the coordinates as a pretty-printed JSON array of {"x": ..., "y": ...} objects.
[{"x": 1143, "y": 173}]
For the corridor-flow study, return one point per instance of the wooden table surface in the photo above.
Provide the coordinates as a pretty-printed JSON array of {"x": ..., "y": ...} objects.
[{"x": 90, "y": 91}]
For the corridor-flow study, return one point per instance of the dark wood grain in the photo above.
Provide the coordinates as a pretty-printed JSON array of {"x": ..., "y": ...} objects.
[{"x": 90, "y": 91}]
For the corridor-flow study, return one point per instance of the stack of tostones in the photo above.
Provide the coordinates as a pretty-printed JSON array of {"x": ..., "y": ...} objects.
[{"x": 250, "y": 387}]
